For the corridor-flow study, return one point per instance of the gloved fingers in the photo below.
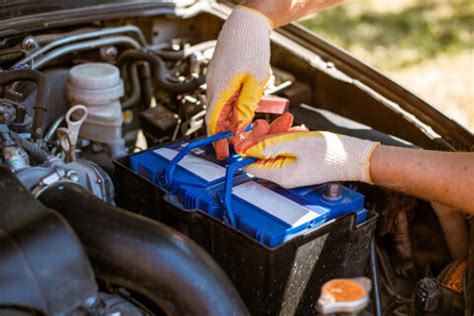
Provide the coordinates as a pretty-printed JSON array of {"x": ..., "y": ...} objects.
[
  {"x": 221, "y": 125},
  {"x": 242, "y": 141},
  {"x": 278, "y": 145},
  {"x": 261, "y": 130},
  {"x": 244, "y": 109},
  {"x": 277, "y": 170},
  {"x": 281, "y": 124},
  {"x": 221, "y": 147},
  {"x": 221, "y": 105},
  {"x": 273, "y": 163}
]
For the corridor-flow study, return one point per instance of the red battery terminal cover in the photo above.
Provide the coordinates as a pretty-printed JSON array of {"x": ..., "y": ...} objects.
[{"x": 272, "y": 104}]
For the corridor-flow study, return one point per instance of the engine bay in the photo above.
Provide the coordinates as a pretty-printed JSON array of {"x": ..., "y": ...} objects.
[{"x": 92, "y": 115}]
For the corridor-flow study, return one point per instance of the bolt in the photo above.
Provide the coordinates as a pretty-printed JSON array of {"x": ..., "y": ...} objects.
[
  {"x": 333, "y": 191},
  {"x": 176, "y": 44},
  {"x": 109, "y": 53},
  {"x": 92, "y": 301},
  {"x": 330, "y": 65},
  {"x": 72, "y": 175},
  {"x": 29, "y": 43}
]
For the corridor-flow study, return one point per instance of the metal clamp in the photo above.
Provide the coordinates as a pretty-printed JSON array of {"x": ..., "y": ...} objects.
[
  {"x": 167, "y": 178},
  {"x": 168, "y": 174},
  {"x": 229, "y": 181}
]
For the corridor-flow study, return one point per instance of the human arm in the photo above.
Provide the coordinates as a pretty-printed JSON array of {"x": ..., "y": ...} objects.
[
  {"x": 443, "y": 177},
  {"x": 307, "y": 158},
  {"x": 240, "y": 66},
  {"x": 282, "y": 12}
]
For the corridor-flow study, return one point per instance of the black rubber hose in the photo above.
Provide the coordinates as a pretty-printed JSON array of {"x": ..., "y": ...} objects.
[
  {"x": 52, "y": 128},
  {"x": 146, "y": 256},
  {"x": 38, "y": 154},
  {"x": 134, "y": 97},
  {"x": 375, "y": 279},
  {"x": 147, "y": 86},
  {"x": 41, "y": 94},
  {"x": 160, "y": 72},
  {"x": 170, "y": 55},
  {"x": 9, "y": 55}
]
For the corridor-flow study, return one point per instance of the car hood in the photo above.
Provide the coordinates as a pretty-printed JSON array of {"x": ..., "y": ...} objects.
[{"x": 12, "y": 9}]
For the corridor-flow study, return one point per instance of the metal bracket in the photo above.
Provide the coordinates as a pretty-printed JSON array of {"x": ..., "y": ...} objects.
[{"x": 229, "y": 177}]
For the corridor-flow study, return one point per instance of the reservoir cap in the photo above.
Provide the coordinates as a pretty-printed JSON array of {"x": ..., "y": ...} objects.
[
  {"x": 94, "y": 76},
  {"x": 344, "y": 296}
]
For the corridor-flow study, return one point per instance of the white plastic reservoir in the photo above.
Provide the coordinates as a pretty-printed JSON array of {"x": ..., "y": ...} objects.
[{"x": 98, "y": 86}]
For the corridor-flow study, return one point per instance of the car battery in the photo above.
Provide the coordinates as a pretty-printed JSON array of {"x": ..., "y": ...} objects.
[
  {"x": 277, "y": 245},
  {"x": 272, "y": 215}
]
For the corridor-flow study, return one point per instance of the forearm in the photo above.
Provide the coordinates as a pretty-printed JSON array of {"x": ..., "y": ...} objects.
[
  {"x": 282, "y": 12},
  {"x": 443, "y": 177}
]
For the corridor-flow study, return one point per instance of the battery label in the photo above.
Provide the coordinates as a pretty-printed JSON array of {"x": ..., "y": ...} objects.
[
  {"x": 202, "y": 168},
  {"x": 275, "y": 204}
]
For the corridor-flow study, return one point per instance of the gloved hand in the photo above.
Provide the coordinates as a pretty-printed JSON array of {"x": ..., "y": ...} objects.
[
  {"x": 237, "y": 73},
  {"x": 294, "y": 159}
]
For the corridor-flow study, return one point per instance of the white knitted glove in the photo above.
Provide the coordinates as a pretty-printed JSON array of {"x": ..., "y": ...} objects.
[
  {"x": 307, "y": 158},
  {"x": 237, "y": 73}
]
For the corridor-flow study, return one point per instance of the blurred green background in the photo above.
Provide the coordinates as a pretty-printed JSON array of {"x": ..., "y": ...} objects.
[{"x": 427, "y": 46}]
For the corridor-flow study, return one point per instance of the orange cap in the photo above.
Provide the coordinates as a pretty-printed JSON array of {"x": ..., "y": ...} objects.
[
  {"x": 344, "y": 290},
  {"x": 344, "y": 295}
]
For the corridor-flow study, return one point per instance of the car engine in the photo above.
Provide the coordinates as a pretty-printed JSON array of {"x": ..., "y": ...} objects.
[{"x": 102, "y": 135}]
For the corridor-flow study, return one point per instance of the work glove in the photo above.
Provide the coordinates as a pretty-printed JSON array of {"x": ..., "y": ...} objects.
[
  {"x": 293, "y": 158},
  {"x": 237, "y": 73}
]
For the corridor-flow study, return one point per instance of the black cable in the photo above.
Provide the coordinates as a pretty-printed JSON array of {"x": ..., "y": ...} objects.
[
  {"x": 38, "y": 154},
  {"x": 52, "y": 128},
  {"x": 147, "y": 85},
  {"x": 469, "y": 275},
  {"x": 134, "y": 97},
  {"x": 160, "y": 72},
  {"x": 41, "y": 94},
  {"x": 375, "y": 281},
  {"x": 170, "y": 55}
]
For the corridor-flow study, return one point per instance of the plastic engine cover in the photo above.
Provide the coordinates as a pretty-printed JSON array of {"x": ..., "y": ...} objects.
[{"x": 261, "y": 209}]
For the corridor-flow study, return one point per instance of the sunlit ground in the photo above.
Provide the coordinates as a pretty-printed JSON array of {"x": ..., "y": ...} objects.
[{"x": 427, "y": 46}]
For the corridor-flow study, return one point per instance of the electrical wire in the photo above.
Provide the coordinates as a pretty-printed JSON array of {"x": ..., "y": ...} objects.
[{"x": 375, "y": 281}]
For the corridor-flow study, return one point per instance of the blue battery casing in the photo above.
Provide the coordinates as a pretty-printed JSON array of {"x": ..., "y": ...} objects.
[{"x": 260, "y": 209}]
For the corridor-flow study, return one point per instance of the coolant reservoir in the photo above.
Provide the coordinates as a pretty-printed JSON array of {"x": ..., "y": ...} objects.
[{"x": 99, "y": 87}]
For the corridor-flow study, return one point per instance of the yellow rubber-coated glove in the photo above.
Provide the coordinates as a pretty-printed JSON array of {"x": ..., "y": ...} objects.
[
  {"x": 237, "y": 73},
  {"x": 306, "y": 158}
]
